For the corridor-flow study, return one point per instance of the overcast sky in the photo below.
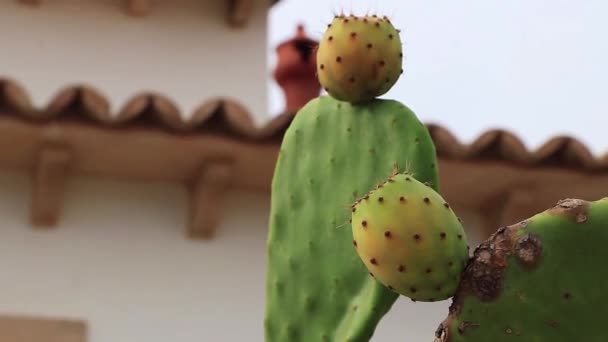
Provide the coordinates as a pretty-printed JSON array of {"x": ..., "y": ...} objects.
[{"x": 539, "y": 68}]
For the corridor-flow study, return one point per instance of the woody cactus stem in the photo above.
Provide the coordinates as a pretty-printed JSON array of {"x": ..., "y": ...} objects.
[{"x": 542, "y": 279}]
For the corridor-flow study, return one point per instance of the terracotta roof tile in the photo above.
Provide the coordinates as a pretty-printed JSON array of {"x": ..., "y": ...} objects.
[
  {"x": 81, "y": 102},
  {"x": 501, "y": 145},
  {"x": 226, "y": 116}
]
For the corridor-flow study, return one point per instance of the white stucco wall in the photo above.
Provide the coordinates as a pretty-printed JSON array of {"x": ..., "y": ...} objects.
[
  {"x": 120, "y": 260},
  {"x": 182, "y": 49}
]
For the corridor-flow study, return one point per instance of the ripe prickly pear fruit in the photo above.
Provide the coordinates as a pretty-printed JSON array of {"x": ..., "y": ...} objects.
[
  {"x": 409, "y": 239},
  {"x": 542, "y": 279},
  {"x": 359, "y": 58}
]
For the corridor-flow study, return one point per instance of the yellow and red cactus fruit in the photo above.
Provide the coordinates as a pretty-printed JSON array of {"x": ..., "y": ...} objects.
[
  {"x": 409, "y": 239},
  {"x": 359, "y": 57}
]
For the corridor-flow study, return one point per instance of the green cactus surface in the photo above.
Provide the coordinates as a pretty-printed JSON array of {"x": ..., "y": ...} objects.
[
  {"x": 317, "y": 288},
  {"x": 543, "y": 279},
  {"x": 359, "y": 58},
  {"x": 409, "y": 239}
]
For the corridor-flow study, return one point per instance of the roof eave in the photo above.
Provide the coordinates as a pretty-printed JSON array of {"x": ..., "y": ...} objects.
[{"x": 238, "y": 13}]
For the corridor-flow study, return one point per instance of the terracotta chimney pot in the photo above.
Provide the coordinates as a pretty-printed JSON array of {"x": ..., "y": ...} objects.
[{"x": 296, "y": 70}]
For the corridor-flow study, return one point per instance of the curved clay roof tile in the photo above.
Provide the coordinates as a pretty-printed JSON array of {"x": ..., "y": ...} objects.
[
  {"x": 95, "y": 104},
  {"x": 228, "y": 116},
  {"x": 497, "y": 144},
  {"x": 134, "y": 106},
  {"x": 59, "y": 104},
  {"x": 446, "y": 143},
  {"x": 568, "y": 152},
  {"x": 166, "y": 112},
  {"x": 15, "y": 97}
]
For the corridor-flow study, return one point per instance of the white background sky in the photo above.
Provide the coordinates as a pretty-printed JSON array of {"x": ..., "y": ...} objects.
[{"x": 539, "y": 68}]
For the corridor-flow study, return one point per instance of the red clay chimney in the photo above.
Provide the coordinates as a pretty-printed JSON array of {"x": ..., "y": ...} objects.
[{"x": 296, "y": 70}]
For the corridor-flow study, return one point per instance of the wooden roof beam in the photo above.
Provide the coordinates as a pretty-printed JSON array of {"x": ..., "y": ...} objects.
[
  {"x": 30, "y": 2},
  {"x": 48, "y": 185}
]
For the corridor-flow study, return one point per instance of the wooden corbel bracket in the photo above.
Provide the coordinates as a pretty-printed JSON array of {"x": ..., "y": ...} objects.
[
  {"x": 48, "y": 184},
  {"x": 137, "y": 8},
  {"x": 208, "y": 190},
  {"x": 239, "y": 12}
]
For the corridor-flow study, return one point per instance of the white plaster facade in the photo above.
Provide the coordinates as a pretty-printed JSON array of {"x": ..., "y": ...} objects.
[
  {"x": 119, "y": 258},
  {"x": 121, "y": 261},
  {"x": 182, "y": 49}
]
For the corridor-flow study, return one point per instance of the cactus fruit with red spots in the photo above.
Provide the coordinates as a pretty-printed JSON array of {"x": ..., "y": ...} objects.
[
  {"x": 409, "y": 239},
  {"x": 542, "y": 279},
  {"x": 359, "y": 57},
  {"x": 332, "y": 153}
]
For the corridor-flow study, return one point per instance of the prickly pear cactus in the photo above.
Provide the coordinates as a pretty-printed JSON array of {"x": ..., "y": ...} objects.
[
  {"x": 333, "y": 152},
  {"x": 359, "y": 58},
  {"x": 409, "y": 239},
  {"x": 542, "y": 279}
]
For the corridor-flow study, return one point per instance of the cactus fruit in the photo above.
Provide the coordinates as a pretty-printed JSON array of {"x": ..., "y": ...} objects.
[
  {"x": 317, "y": 289},
  {"x": 359, "y": 58},
  {"x": 543, "y": 279},
  {"x": 409, "y": 239}
]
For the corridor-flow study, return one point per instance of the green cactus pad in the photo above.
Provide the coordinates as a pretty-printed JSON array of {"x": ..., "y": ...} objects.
[
  {"x": 409, "y": 239},
  {"x": 543, "y": 279},
  {"x": 359, "y": 58},
  {"x": 333, "y": 152}
]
